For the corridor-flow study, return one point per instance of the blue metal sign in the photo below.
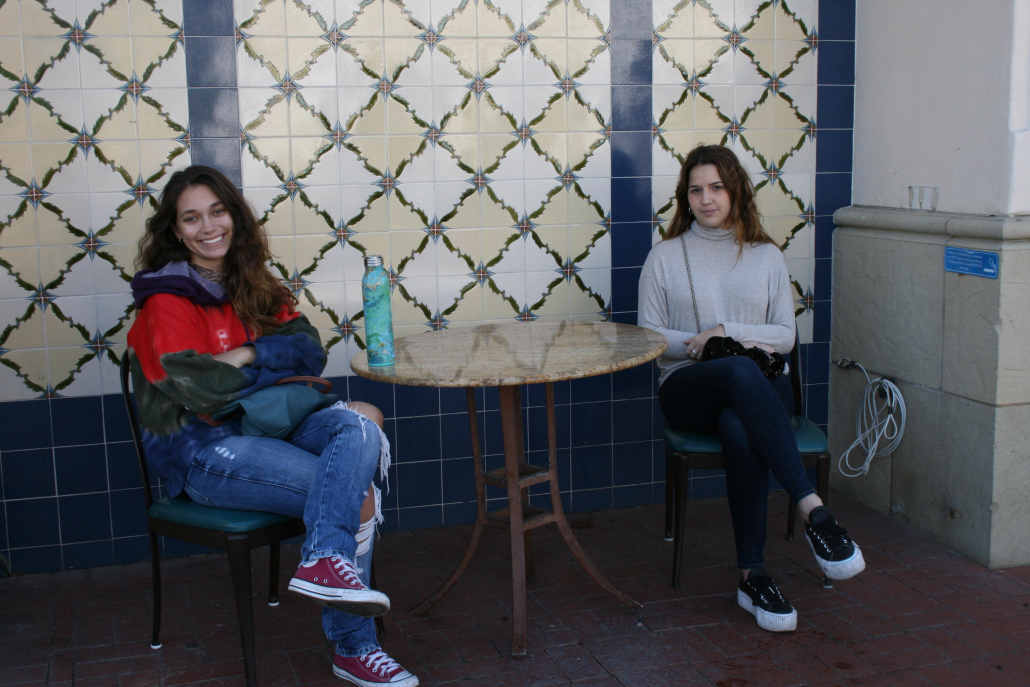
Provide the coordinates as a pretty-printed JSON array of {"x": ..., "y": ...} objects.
[{"x": 979, "y": 263}]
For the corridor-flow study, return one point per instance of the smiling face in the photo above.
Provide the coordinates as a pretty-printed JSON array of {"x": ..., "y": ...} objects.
[
  {"x": 709, "y": 200},
  {"x": 204, "y": 225}
]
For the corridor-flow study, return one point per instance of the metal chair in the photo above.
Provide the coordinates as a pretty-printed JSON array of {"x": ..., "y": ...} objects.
[
  {"x": 234, "y": 531},
  {"x": 686, "y": 451}
]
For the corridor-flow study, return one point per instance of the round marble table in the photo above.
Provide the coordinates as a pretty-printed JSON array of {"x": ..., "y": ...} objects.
[{"x": 508, "y": 355}]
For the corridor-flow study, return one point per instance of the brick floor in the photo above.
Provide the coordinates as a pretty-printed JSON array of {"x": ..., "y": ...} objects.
[{"x": 919, "y": 615}]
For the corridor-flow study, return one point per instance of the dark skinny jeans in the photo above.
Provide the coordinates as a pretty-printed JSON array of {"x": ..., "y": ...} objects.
[{"x": 751, "y": 415}]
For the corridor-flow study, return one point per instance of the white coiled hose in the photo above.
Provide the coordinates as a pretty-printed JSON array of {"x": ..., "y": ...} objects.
[{"x": 879, "y": 421}]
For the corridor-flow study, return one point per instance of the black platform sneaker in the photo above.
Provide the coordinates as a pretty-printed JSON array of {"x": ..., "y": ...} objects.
[
  {"x": 759, "y": 596},
  {"x": 838, "y": 556}
]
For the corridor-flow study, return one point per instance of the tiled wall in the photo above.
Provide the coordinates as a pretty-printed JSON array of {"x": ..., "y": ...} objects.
[{"x": 511, "y": 159}]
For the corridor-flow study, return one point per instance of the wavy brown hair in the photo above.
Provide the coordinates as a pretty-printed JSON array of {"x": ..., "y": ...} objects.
[
  {"x": 744, "y": 217},
  {"x": 256, "y": 295}
]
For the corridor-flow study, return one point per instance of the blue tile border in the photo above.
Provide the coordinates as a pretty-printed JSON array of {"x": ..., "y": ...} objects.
[{"x": 211, "y": 86}]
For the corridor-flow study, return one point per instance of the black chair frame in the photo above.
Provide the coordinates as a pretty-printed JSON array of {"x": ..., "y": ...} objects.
[
  {"x": 238, "y": 545},
  {"x": 677, "y": 473}
]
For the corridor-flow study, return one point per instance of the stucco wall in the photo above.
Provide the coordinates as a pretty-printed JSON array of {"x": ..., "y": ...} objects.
[{"x": 944, "y": 87}]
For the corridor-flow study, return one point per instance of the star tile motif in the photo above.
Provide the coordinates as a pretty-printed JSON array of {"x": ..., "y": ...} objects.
[
  {"x": 480, "y": 181},
  {"x": 91, "y": 244},
  {"x": 774, "y": 84},
  {"x": 25, "y": 88},
  {"x": 241, "y": 35},
  {"x": 810, "y": 130},
  {"x": 523, "y": 133},
  {"x": 135, "y": 88},
  {"x": 292, "y": 187},
  {"x": 655, "y": 39},
  {"x": 245, "y": 138},
  {"x": 809, "y": 215},
  {"x": 387, "y": 182},
  {"x": 76, "y": 36},
  {"x": 481, "y": 274},
  {"x": 141, "y": 191},
  {"x": 179, "y": 37},
  {"x": 432, "y": 134},
  {"x": 807, "y": 302},
  {"x": 184, "y": 139},
  {"x": 384, "y": 86},
  {"x": 288, "y": 87},
  {"x": 296, "y": 283},
  {"x": 567, "y": 85},
  {"x": 525, "y": 226},
  {"x": 568, "y": 178},
  {"x": 98, "y": 344},
  {"x": 522, "y": 37},
  {"x": 478, "y": 86},
  {"x": 772, "y": 172},
  {"x": 812, "y": 40},
  {"x": 694, "y": 84},
  {"x": 435, "y": 229},
  {"x": 84, "y": 141},
  {"x": 734, "y": 39},
  {"x": 42, "y": 297},
  {"x": 342, "y": 233},
  {"x": 334, "y": 36},
  {"x": 438, "y": 322},
  {"x": 394, "y": 278},
  {"x": 526, "y": 315},
  {"x": 34, "y": 194},
  {"x": 568, "y": 270},
  {"x": 430, "y": 37},
  {"x": 656, "y": 131},
  {"x": 337, "y": 136},
  {"x": 734, "y": 129},
  {"x": 346, "y": 328}
]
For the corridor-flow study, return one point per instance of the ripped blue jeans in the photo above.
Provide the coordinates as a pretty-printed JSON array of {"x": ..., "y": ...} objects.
[{"x": 321, "y": 473}]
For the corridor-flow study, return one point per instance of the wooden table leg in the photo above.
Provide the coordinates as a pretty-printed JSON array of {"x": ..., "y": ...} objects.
[
  {"x": 511, "y": 428},
  {"x": 477, "y": 461}
]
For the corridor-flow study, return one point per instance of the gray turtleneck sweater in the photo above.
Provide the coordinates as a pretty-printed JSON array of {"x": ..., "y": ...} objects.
[{"x": 749, "y": 293}]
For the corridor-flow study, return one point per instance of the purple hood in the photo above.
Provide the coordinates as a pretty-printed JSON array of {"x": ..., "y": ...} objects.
[{"x": 179, "y": 279}]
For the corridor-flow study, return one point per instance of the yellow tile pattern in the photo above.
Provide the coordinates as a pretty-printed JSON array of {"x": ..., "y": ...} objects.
[
  {"x": 93, "y": 120},
  {"x": 747, "y": 82},
  {"x": 392, "y": 129}
]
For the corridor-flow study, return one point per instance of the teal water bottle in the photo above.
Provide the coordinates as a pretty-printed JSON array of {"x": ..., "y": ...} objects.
[{"x": 375, "y": 294}]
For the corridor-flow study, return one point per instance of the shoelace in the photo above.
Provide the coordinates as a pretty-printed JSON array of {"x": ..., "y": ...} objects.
[
  {"x": 379, "y": 662},
  {"x": 767, "y": 585},
  {"x": 830, "y": 535},
  {"x": 347, "y": 571}
]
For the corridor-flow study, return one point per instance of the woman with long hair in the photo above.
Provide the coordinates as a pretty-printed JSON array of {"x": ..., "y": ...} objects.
[
  {"x": 718, "y": 274},
  {"x": 213, "y": 326}
]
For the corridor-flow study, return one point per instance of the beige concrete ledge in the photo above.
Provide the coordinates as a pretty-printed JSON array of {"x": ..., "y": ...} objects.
[
  {"x": 938, "y": 223},
  {"x": 956, "y": 346}
]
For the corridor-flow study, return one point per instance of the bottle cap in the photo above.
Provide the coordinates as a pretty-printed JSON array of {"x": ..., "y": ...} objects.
[{"x": 373, "y": 261}]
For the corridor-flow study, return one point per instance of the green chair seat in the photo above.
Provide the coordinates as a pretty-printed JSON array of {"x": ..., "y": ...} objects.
[
  {"x": 809, "y": 437},
  {"x": 186, "y": 512}
]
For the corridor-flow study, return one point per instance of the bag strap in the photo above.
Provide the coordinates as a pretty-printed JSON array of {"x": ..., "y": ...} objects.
[
  {"x": 326, "y": 385},
  {"x": 690, "y": 280}
]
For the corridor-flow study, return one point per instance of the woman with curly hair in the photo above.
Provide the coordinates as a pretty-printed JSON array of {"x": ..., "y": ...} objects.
[
  {"x": 718, "y": 274},
  {"x": 213, "y": 326}
]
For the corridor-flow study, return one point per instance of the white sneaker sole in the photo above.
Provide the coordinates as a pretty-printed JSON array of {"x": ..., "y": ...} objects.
[
  {"x": 410, "y": 681},
  {"x": 840, "y": 570},
  {"x": 367, "y": 603},
  {"x": 773, "y": 622}
]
